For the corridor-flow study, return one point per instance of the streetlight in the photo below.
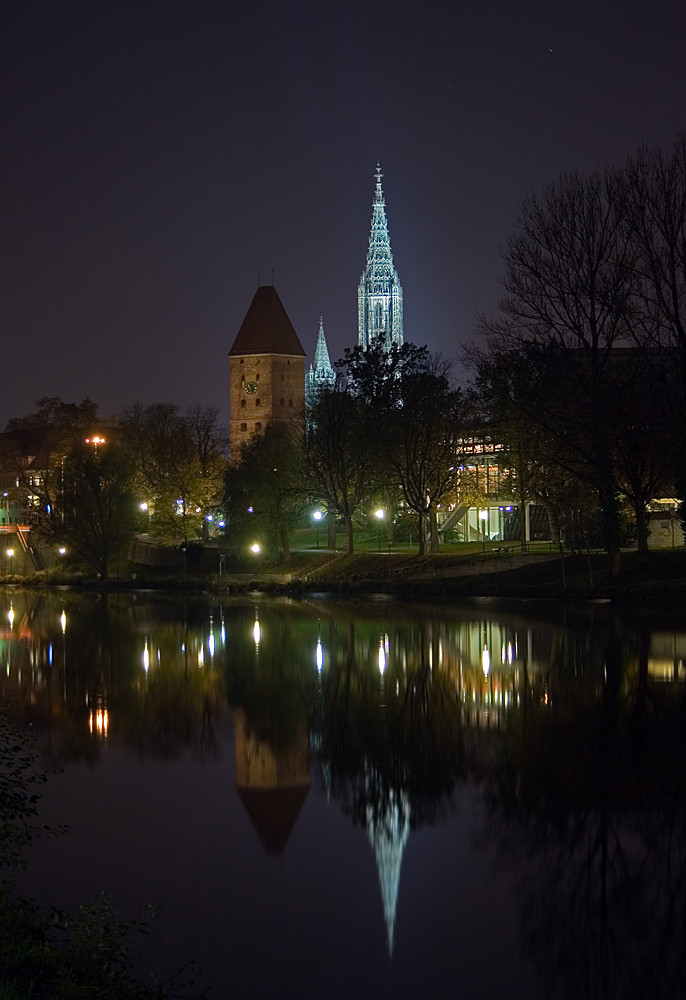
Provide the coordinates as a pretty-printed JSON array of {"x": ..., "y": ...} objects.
[
  {"x": 483, "y": 517},
  {"x": 145, "y": 507},
  {"x": 317, "y": 518},
  {"x": 379, "y": 514},
  {"x": 95, "y": 441},
  {"x": 10, "y": 556},
  {"x": 256, "y": 548}
]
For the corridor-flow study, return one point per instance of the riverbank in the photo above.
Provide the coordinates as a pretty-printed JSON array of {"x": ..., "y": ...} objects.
[{"x": 654, "y": 577}]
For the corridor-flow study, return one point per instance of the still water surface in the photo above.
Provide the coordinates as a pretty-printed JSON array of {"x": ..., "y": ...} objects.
[{"x": 368, "y": 799}]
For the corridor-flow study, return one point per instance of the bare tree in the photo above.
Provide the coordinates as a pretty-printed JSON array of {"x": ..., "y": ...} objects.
[{"x": 568, "y": 284}]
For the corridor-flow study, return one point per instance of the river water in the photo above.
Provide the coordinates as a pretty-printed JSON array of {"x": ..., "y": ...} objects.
[{"x": 363, "y": 799}]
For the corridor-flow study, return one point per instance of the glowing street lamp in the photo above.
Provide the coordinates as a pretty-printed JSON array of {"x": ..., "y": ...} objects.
[
  {"x": 95, "y": 441},
  {"x": 317, "y": 515},
  {"x": 144, "y": 508},
  {"x": 10, "y": 556},
  {"x": 483, "y": 517},
  {"x": 256, "y": 548},
  {"x": 379, "y": 514}
]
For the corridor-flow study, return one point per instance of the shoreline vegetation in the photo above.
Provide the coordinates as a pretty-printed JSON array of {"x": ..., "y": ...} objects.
[{"x": 655, "y": 578}]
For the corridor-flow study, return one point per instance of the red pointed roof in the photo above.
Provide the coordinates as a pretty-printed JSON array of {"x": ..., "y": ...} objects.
[{"x": 266, "y": 328}]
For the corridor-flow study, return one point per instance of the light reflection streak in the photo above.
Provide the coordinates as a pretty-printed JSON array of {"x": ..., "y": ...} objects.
[{"x": 99, "y": 721}]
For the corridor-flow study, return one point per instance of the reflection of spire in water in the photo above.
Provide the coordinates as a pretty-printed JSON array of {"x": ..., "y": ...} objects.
[{"x": 388, "y": 830}]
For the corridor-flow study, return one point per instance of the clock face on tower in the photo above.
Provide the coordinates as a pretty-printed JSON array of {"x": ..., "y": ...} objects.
[{"x": 251, "y": 388}]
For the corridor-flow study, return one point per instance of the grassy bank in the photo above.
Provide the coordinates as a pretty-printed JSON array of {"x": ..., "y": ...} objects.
[{"x": 652, "y": 577}]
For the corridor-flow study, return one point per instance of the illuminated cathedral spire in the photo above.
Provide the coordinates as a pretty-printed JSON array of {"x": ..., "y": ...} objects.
[
  {"x": 321, "y": 373},
  {"x": 380, "y": 294}
]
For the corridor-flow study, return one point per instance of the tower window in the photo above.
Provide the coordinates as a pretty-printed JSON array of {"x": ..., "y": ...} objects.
[
  {"x": 290, "y": 402},
  {"x": 242, "y": 361},
  {"x": 258, "y": 426},
  {"x": 283, "y": 401},
  {"x": 244, "y": 426},
  {"x": 257, "y": 402},
  {"x": 242, "y": 402},
  {"x": 257, "y": 377}
]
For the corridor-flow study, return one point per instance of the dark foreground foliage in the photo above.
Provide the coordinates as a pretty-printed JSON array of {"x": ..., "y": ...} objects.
[{"x": 47, "y": 954}]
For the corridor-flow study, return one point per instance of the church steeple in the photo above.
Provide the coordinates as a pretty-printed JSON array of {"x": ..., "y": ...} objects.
[
  {"x": 321, "y": 374},
  {"x": 380, "y": 294}
]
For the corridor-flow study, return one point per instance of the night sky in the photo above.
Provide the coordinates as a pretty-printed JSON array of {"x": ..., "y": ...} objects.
[{"x": 156, "y": 154}]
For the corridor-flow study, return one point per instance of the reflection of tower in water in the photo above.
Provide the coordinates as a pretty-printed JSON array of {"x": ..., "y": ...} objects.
[
  {"x": 387, "y": 818},
  {"x": 388, "y": 828},
  {"x": 272, "y": 785}
]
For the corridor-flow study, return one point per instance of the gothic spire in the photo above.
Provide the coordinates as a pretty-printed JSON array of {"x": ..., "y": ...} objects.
[
  {"x": 321, "y": 373},
  {"x": 380, "y": 294}
]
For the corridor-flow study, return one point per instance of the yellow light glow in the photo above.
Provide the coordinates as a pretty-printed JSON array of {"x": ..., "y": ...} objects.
[
  {"x": 146, "y": 658},
  {"x": 63, "y": 621},
  {"x": 10, "y": 615},
  {"x": 255, "y": 548},
  {"x": 256, "y": 632},
  {"x": 99, "y": 721},
  {"x": 486, "y": 660}
]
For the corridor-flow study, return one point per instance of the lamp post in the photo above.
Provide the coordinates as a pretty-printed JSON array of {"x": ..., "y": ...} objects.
[
  {"x": 10, "y": 556},
  {"x": 95, "y": 441},
  {"x": 317, "y": 518},
  {"x": 379, "y": 514},
  {"x": 483, "y": 517},
  {"x": 145, "y": 508}
]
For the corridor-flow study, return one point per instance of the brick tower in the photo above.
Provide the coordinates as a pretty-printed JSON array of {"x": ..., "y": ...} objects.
[{"x": 266, "y": 370}]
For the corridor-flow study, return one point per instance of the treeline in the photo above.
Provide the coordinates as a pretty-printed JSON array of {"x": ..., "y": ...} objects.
[
  {"x": 86, "y": 484},
  {"x": 584, "y": 370},
  {"x": 388, "y": 435},
  {"x": 580, "y": 380}
]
